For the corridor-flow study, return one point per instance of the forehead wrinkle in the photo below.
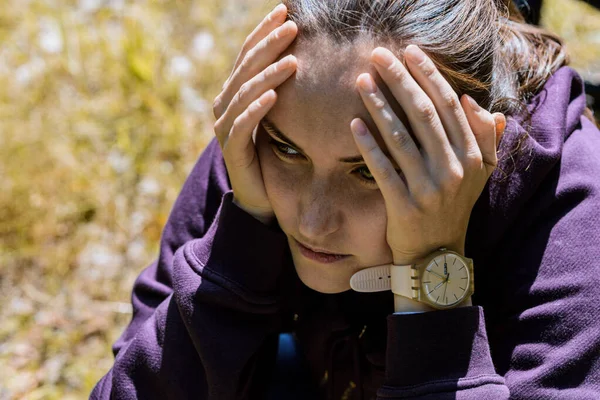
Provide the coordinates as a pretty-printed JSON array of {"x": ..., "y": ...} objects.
[{"x": 325, "y": 79}]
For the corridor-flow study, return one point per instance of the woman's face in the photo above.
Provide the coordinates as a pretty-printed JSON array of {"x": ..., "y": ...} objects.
[{"x": 321, "y": 191}]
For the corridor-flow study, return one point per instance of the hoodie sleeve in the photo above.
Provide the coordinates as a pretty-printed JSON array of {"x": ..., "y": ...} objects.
[
  {"x": 183, "y": 340},
  {"x": 541, "y": 336}
]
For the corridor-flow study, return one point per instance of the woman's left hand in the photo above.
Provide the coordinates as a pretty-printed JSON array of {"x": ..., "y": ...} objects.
[{"x": 429, "y": 204}]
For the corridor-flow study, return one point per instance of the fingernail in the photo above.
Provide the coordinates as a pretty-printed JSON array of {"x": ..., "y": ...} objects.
[
  {"x": 285, "y": 62},
  {"x": 279, "y": 8},
  {"x": 473, "y": 103},
  {"x": 358, "y": 127},
  {"x": 415, "y": 54},
  {"x": 501, "y": 126},
  {"x": 383, "y": 57},
  {"x": 365, "y": 82},
  {"x": 285, "y": 29}
]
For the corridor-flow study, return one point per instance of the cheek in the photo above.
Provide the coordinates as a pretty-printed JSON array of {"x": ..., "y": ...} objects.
[
  {"x": 279, "y": 181},
  {"x": 367, "y": 219},
  {"x": 280, "y": 186}
]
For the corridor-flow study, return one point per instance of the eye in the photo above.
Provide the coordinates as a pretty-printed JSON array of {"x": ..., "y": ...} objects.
[
  {"x": 283, "y": 150},
  {"x": 364, "y": 174}
]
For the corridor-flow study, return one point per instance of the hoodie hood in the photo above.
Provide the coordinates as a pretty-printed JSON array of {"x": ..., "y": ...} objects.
[
  {"x": 529, "y": 154},
  {"x": 523, "y": 185}
]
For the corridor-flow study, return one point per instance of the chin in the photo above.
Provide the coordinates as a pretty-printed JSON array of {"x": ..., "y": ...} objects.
[{"x": 328, "y": 279}]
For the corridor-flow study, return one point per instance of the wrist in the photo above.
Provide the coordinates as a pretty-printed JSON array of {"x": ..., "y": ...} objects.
[
  {"x": 266, "y": 217},
  {"x": 405, "y": 304},
  {"x": 403, "y": 259}
]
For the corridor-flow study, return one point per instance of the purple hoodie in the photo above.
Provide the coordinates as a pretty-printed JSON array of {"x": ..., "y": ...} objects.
[{"x": 208, "y": 312}]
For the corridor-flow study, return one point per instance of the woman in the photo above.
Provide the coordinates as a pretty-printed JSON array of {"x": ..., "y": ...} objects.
[{"x": 346, "y": 140}]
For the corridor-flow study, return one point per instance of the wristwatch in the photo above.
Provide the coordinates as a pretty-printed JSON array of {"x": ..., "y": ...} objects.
[{"x": 442, "y": 280}]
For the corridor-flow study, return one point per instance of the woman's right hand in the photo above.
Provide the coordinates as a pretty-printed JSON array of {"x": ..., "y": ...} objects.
[{"x": 246, "y": 98}]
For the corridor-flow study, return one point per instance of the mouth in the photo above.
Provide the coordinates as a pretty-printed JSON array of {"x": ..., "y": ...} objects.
[{"x": 319, "y": 255}]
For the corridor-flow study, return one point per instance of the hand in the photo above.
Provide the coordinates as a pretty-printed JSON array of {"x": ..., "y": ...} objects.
[
  {"x": 246, "y": 98},
  {"x": 429, "y": 206}
]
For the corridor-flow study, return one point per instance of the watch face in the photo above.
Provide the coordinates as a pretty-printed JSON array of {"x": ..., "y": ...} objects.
[{"x": 446, "y": 279}]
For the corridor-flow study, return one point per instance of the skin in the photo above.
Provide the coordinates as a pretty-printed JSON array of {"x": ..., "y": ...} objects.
[
  {"x": 317, "y": 199},
  {"x": 318, "y": 100}
]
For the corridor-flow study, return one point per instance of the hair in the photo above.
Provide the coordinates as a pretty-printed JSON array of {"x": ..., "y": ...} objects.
[{"x": 483, "y": 48}]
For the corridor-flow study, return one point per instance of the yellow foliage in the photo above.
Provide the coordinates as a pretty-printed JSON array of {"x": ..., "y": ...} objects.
[{"x": 104, "y": 109}]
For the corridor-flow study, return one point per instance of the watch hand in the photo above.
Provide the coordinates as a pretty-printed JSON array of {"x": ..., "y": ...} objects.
[
  {"x": 438, "y": 285},
  {"x": 435, "y": 273},
  {"x": 446, "y": 287}
]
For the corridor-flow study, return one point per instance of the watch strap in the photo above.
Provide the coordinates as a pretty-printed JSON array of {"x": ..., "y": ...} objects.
[
  {"x": 381, "y": 277},
  {"x": 402, "y": 281},
  {"x": 374, "y": 279}
]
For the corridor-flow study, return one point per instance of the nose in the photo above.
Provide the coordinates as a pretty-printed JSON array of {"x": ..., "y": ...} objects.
[{"x": 319, "y": 215}]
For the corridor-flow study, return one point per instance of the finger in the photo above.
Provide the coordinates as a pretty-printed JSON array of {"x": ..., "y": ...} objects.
[
  {"x": 273, "y": 20},
  {"x": 389, "y": 181},
  {"x": 444, "y": 98},
  {"x": 270, "y": 78},
  {"x": 400, "y": 144},
  {"x": 257, "y": 59},
  {"x": 239, "y": 145},
  {"x": 500, "y": 120},
  {"x": 483, "y": 127},
  {"x": 419, "y": 108}
]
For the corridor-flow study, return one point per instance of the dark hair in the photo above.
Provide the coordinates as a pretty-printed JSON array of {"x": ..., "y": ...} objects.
[{"x": 482, "y": 47}]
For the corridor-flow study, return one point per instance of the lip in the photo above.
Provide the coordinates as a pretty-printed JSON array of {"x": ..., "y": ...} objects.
[{"x": 322, "y": 257}]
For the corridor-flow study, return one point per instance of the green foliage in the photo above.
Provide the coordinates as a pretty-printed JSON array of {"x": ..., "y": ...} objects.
[
  {"x": 104, "y": 108},
  {"x": 578, "y": 23}
]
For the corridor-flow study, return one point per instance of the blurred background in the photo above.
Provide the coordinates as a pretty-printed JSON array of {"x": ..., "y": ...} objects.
[{"x": 105, "y": 105}]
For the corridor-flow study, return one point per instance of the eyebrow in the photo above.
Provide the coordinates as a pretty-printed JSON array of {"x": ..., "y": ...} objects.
[{"x": 272, "y": 127}]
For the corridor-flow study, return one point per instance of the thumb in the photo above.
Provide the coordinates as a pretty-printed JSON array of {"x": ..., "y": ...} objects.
[
  {"x": 483, "y": 126},
  {"x": 500, "y": 121}
]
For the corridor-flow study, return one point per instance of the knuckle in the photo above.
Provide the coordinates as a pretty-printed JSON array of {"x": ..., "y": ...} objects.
[
  {"x": 471, "y": 158},
  {"x": 450, "y": 100},
  {"x": 387, "y": 116},
  {"x": 430, "y": 197},
  {"x": 475, "y": 161},
  {"x": 273, "y": 37},
  {"x": 218, "y": 126},
  {"x": 426, "y": 112},
  {"x": 380, "y": 104},
  {"x": 243, "y": 92},
  {"x": 253, "y": 107},
  {"x": 493, "y": 162},
  {"x": 428, "y": 69},
  {"x": 371, "y": 149},
  {"x": 401, "y": 139},
  {"x": 269, "y": 72},
  {"x": 453, "y": 178},
  {"x": 247, "y": 60},
  {"x": 398, "y": 74},
  {"x": 237, "y": 124},
  {"x": 221, "y": 134},
  {"x": 217, "y": 106},
  {"x": 385, "y": 174}
]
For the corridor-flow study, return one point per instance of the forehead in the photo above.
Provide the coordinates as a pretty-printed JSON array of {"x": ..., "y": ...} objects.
[
  {"x": 323, "y": 86},
  {"x": 321, "y": 99}
]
